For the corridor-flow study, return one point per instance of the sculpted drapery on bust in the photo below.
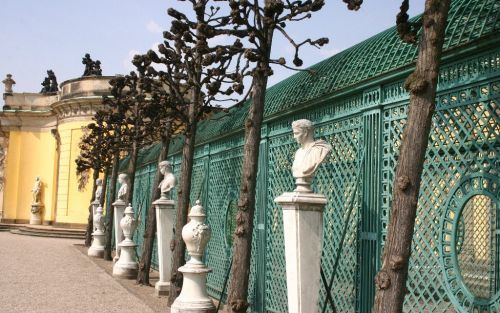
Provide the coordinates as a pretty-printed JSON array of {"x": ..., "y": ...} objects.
[
  {"x": 310, "y": 154},
  {"x": 169, "y": 181},
  {"x": 123, "y": 192}
]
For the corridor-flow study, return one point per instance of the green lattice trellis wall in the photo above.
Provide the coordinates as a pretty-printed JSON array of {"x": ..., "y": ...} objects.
[{"x": 360, "y": 106}]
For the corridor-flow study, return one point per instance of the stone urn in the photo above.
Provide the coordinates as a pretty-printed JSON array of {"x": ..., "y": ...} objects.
[
  {"x": 97, "y": 247},
  {"x": 128, "y": 223},
  {"x": 126, "y": 266},
  {"x": 196, "y": 234},
  {"x": 194, "y": 297}
]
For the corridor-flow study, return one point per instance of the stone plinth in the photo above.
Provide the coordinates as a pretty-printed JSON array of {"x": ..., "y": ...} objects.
[
  {"x": 303, "y": 233},
  {"x": 126, "y": 266},
  {"x": 97, "y": 247},
  {"x": 164, "y": 232},
  {"x": 193, "y": 297},
  {"x": 95, "y": 205},
  {"x": 36, "y": 214},
  {"x": 119, "y": 207}
]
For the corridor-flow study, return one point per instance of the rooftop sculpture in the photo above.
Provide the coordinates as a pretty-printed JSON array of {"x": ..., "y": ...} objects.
[
  {"x": 49, "y": 83},
  {"x": 92, "y": 68},
  {"x": 8, "y": 82}
]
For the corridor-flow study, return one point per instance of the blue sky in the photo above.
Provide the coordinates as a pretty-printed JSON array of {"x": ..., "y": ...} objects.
[{"x": 55, "y": 34}]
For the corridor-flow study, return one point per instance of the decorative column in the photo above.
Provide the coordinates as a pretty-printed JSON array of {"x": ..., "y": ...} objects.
[
  {"x": 126, "y": 266},
  {"x": 97, "y": 247},
  {"x": 303, "y": 222},
  {"x": 119, "y": 207},
  {"x": 303, "y": 233},
  {"x": 95, "y": 204},
  {"x": 164, "y": 225},
  {"x": 193, "y": 297}
]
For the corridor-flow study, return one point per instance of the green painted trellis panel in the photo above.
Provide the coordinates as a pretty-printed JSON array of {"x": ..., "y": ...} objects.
[
  {"x": 364, "y": 124},
  {"x": 464, "y": 140},
  {"x": 141, "y": 202}
]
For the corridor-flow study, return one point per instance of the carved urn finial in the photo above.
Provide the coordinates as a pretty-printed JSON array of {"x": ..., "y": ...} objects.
[
  {"x": 128, "y": 223},
  {"x": 196, "y": 234},
  {"x": 98, "y": 220}
]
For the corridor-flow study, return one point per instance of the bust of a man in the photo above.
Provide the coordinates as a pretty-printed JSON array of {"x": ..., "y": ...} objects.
[
  {"x": 98, "y": 191},
  {"x": 169, "y": 181},
  {"x": 310, "y": 154},
  {"x": 123, "y": 191}
]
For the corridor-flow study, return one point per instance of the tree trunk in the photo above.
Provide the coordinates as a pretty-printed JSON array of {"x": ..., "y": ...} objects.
[
  {"x": 149, "y": 233},
  {"x": 131, "y": 170},
  {"x": 104, "y": 184},
  {"x": 391, "y": 279},
  {"x": 90, "y": 219},
  {"x": 109, "y": 207},
  {"x": 242, "y": 244},
  {"x": 179, "y": 248}
]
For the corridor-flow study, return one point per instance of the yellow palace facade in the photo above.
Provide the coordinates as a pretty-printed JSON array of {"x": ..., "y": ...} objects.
[{"x": 39, "y": 137}]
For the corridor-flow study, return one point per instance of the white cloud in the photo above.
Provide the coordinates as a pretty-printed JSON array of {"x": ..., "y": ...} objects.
[
  {"x": 328, "y": 52},
  {"x": 221, "y": 40},
  {"x": 127, "y": 61},
  {"x": 154, "y": 47},
  {"x": 153, "y": 27}
]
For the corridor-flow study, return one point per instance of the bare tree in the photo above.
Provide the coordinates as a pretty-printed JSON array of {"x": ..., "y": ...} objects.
[
  {"x": 391, "y": 279},
  {"x": 114, "y": 119},
  {"x": 196, "y": 75},
  {"x": 258, "y": 23},
  {"x": 167, "y": 121},
  {"x": 93, "y": 156}
]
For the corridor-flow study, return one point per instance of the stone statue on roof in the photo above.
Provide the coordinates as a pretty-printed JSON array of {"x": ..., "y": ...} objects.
[
  {"x": 92, "y": 68},
  {"x": 49, "y": 83},
  {"x": 8, "y": 82}
]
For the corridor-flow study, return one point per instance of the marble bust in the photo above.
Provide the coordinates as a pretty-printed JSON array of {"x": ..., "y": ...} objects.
[
  {"x": 37, "y": 190},
  {"x": 309, "y": 156},
  {"x": 123, "y": 191},
  {"x": 169, "y": 181},
  {"x": 98, "y": 191}
]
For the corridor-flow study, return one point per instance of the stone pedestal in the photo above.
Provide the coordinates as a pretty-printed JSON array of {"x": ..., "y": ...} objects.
[
  {"x": 193, "y": 297},
  {"x": 97, "y": 247},
  {"x": 95, "y": 205},
  {"x": 36, "y": 214},
  {"x": 126, "y": 266},
  {"x": 303, "y": 233},
  {"x": 119, "y": 207},
  {"x": 164, "y": 232}
]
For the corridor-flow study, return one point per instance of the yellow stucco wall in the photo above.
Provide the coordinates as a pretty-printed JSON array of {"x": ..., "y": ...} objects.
[
  {"x": 30, "y": 154},
  {"x": 33, "y": 153},
  {"x": 72, "y": 205}
]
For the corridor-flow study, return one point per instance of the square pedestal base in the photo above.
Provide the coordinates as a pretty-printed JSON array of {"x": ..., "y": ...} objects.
[{"x": 162, "y": 288}]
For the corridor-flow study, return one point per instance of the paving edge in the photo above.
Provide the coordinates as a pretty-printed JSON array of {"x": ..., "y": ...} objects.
[{"x": 109, "y": 271}]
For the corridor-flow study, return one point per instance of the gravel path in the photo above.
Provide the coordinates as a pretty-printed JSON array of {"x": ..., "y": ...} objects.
[{"x": 39, "y": 275}]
